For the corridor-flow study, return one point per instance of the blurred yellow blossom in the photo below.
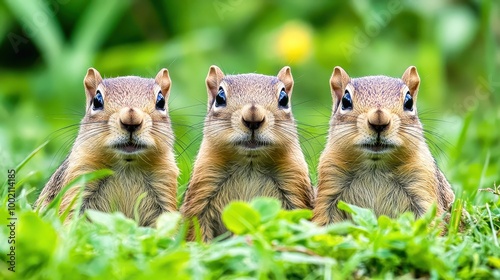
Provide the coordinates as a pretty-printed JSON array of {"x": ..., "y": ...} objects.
[{"x": 294, "y": 42}]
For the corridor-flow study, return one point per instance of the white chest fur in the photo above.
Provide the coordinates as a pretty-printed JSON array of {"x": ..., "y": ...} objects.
[
  {"x": 377, "y": 189},
  {"x": 247, "y": 182},
  {"x": 122, "y": 192}
]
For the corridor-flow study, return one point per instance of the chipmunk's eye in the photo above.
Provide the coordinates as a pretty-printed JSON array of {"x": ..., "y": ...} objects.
[
  {"x": 220, "y": 99},
  {"x": 283, "y": 99},
  {"x": 160, "y": 101},
  {"x": 408, "y": 105},
  {"x": 346, "y": 101},
  {"x": 98, "y": 101}
]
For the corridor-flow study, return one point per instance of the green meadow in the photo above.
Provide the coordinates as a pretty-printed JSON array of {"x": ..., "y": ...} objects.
[{"x": 47, "y": 46}]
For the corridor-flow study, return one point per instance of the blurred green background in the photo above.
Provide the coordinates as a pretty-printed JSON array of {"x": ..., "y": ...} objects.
[{"x": 46, "y": 47}]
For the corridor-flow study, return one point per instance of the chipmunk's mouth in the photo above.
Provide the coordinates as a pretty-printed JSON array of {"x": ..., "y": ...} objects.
[
  {"x": 252, "y": 144},
  {"x": 129, "y": 147},
  {"x": 377, "y": 147}
]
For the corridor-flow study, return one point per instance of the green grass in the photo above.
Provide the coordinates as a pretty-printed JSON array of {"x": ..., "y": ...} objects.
[{"x": 269, "y": 243}]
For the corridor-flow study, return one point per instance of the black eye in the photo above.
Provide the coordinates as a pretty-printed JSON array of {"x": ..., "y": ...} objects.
[
  {"x": 283, "y": 99},
  {"x": 408, "y": 105},
  {"x": 160, "y": 101},
  {"x": 220, "y": 99},
  {"x": 346, "y": 101},
  {"x": 98, "y": 102}
]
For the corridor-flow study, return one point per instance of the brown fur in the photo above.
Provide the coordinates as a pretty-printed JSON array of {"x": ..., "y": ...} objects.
[
  {"x": 225, "y": 170},
  {"x": 403, "y": 179},
  {"x": 153, "y": 171}
]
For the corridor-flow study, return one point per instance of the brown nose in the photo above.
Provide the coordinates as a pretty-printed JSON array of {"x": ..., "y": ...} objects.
[
  {"x": 130, "y": 119},
  {"x": 378, "y": 120},
  {"x": 252, "y": 117},
  {"x": 130, "y": 127},
  {"x": 253, "y": 125}
]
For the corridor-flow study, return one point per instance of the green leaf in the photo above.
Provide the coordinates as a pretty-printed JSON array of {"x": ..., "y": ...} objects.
[
  {"x": 267, "y": 207},
  {"x": 114, "y": 222},
  {"x": 361, "y": 216},
  {"x": 169, "y": 266},
  {"x": 494, "y": 261},
  {"x": 168, "y": 223},
  {"x": 240, "y": 218},
  {"x": 36, "y": 242},
  {"x": 384, "y": 221},
  {"x": 301, "y": 258},
  {"x": 296, "y": 215}
]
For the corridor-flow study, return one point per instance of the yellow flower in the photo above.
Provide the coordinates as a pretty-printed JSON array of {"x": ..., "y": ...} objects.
[{"x": 294, "y": 42}]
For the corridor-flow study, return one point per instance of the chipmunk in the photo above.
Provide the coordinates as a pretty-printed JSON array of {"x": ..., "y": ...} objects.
[
  {"x": 127, "y": 129},
  {"x": 376, "y": 155},
  {"x": 250, "y": 148}
]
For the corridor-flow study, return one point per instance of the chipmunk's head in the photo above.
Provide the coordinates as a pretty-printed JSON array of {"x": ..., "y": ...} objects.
[
  {"x": 375, "y": 116},
  {"x": 250, "y": 112},
  {"x": 126, "y": 117}
]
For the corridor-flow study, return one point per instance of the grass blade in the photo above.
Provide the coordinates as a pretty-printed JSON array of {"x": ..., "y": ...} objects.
[
  {"x": 96, "y": 23},
  {"x": 21, "y": 165},
  {"x": 79, "y": 181},
  {"x": 493, "y": 231},
  {"x": 31, "y": 155},
  {"x": 47, "y": 36}
]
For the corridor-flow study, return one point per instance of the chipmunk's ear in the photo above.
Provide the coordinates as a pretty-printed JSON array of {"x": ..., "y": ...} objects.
[
  {"x": 91, "y": 82},
  {"x": 285, "y": 76},
  {"x": 338, "y": 83},
  {"x": 163, "y": 80},
  {"x": 213, "y": 80},
  {"x": 412, "y": 80}
]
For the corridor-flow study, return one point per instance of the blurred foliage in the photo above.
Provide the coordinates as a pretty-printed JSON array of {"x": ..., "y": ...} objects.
[
  {"x": 269, "y": 243},
  {"x": 46, "y": 47}
]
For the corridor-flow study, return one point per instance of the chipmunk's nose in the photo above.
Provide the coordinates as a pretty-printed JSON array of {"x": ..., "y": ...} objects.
[
  {"x": 253, "y": 125},
  {"x": 252, "y": 117},
  {"x": 378, "y": 120},
  {"x": 130, "y": 119},
  {"x": 130, "y": 127}
]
